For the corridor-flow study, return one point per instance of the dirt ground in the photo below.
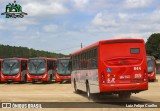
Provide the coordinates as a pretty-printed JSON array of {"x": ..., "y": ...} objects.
[{"x": 56, "y": 92}]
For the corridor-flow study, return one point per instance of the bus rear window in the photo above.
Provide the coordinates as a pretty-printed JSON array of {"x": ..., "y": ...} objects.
[{"x": 134, "y": 50}]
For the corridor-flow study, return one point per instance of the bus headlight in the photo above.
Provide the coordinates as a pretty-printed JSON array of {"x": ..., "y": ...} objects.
[
  {"x": 44, "y": 76},
  {"x": 18, "y": 75},
  {"x": 2, "y": 76},
  {"x": 28, "y": 76}
]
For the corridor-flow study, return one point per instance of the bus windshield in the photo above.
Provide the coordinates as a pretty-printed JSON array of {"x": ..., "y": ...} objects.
[
  {"x": 64, "y": 67},
  {"x": 10, "y": 67},
  {"x": 151, "y": 65},
  {"x": 37, "y": 66}
]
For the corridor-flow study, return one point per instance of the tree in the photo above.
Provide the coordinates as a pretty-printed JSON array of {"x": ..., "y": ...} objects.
[
  {"x": 153, "y": 45},
  {"x": 7, "y": 51}
]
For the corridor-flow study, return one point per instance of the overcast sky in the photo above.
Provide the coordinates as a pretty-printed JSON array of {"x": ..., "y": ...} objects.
[{"x": 55, "y": 25}]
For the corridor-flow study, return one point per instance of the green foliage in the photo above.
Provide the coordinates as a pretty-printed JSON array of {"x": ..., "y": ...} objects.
[
  {"x": 153, "y": 45},
  {"x": 7, "y": 51}
]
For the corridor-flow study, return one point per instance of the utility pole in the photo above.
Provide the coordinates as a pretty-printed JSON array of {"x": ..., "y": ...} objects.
[{"x": 81, "y": 46}]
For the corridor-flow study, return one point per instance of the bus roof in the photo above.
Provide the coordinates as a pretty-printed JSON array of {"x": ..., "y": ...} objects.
[
  {"x": 63, "y": 58},
  {"x": 127, "y": 40},
  {"x": 43, "y": 58},
  {"x": 15, "y": 58}
]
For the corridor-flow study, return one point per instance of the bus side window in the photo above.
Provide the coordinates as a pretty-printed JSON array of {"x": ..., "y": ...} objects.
[{"x": 94, "y": 58}]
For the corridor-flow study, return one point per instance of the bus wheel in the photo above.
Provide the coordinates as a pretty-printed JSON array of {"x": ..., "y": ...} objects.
[
  {"x": 9, "y": 82},
  {"x": 75, "y": 88},
  {"x": 33, "y": 82},
  {"x": 88, "y": 90},
  {"x": 124, "y": 95},
  {"x": 152, "y": 80},
  {"x": 61, "y": 82}
]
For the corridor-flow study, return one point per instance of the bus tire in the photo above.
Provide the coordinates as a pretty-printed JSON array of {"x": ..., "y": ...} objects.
[
  {"x": 33, "y": 82},
  {"x": 88, "y": 91},
  {"x": 75, "y": 88},
  {"x": 61, "y": 82},
  {"x": 153, "y": 80},
  {"x": 9, "y": 82},
  {"x": 124, "y": 95}
]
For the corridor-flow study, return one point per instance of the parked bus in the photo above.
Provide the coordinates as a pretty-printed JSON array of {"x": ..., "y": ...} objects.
[
  {"x": 151, "y": 62},
  {"x": 117, "y": 66},
  {"x": 63, "y": 70},
  {"x": 14, "y": 70},
  {"x": 0, "y": 68},
  {"x": 40, "y": 69}
]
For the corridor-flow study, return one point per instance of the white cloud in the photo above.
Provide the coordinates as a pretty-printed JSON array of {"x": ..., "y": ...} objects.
[
  {"x": 31, "y": 37},
  {"x": 24, "y": 21},
  {"x": 81, "y": 3},
  {"x": 131, "y": 35},
  {"x": 2, "y": 27},
  {"x": 123, "y": 24},
  {"x": 126, "y": 22},
  {"x": 155, "y": 16},
  {"x": 124, "y": 16},
  {"x": 18, "y": 24},
  {"x": 50, "y": 28},
  {"x": 94, "y": 6},
  {"x": 39, "y": 9},
  {"x": 137, "y": 3},
  {"x": 21, "y": 28},
  {"x": 102, "y": 20}
]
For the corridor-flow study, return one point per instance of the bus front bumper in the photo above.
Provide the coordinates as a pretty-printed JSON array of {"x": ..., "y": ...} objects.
[
  {"x": 15, "y": 78},
  {"x": 41, "y": 78},
  {"x": 151, "y": 77},
  {"x": 63, "y": 78}
]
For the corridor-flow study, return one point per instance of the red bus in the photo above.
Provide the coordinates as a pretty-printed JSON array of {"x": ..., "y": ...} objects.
[
  {"x": 0, "y": 68},
  {"x": 151, "y": 62},
  {"x": 14, "y": 70},
  {"x": 40, "y": 69},
  {"x": 117, "y": 66},
  {"x": 63, "y": 73}
]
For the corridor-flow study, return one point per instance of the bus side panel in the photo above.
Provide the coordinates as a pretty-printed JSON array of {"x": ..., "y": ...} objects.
[
  {"x": 82, "y": 76},
  {"x": 93, "y": 81},
  {"x": 75, "y": 77}
]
